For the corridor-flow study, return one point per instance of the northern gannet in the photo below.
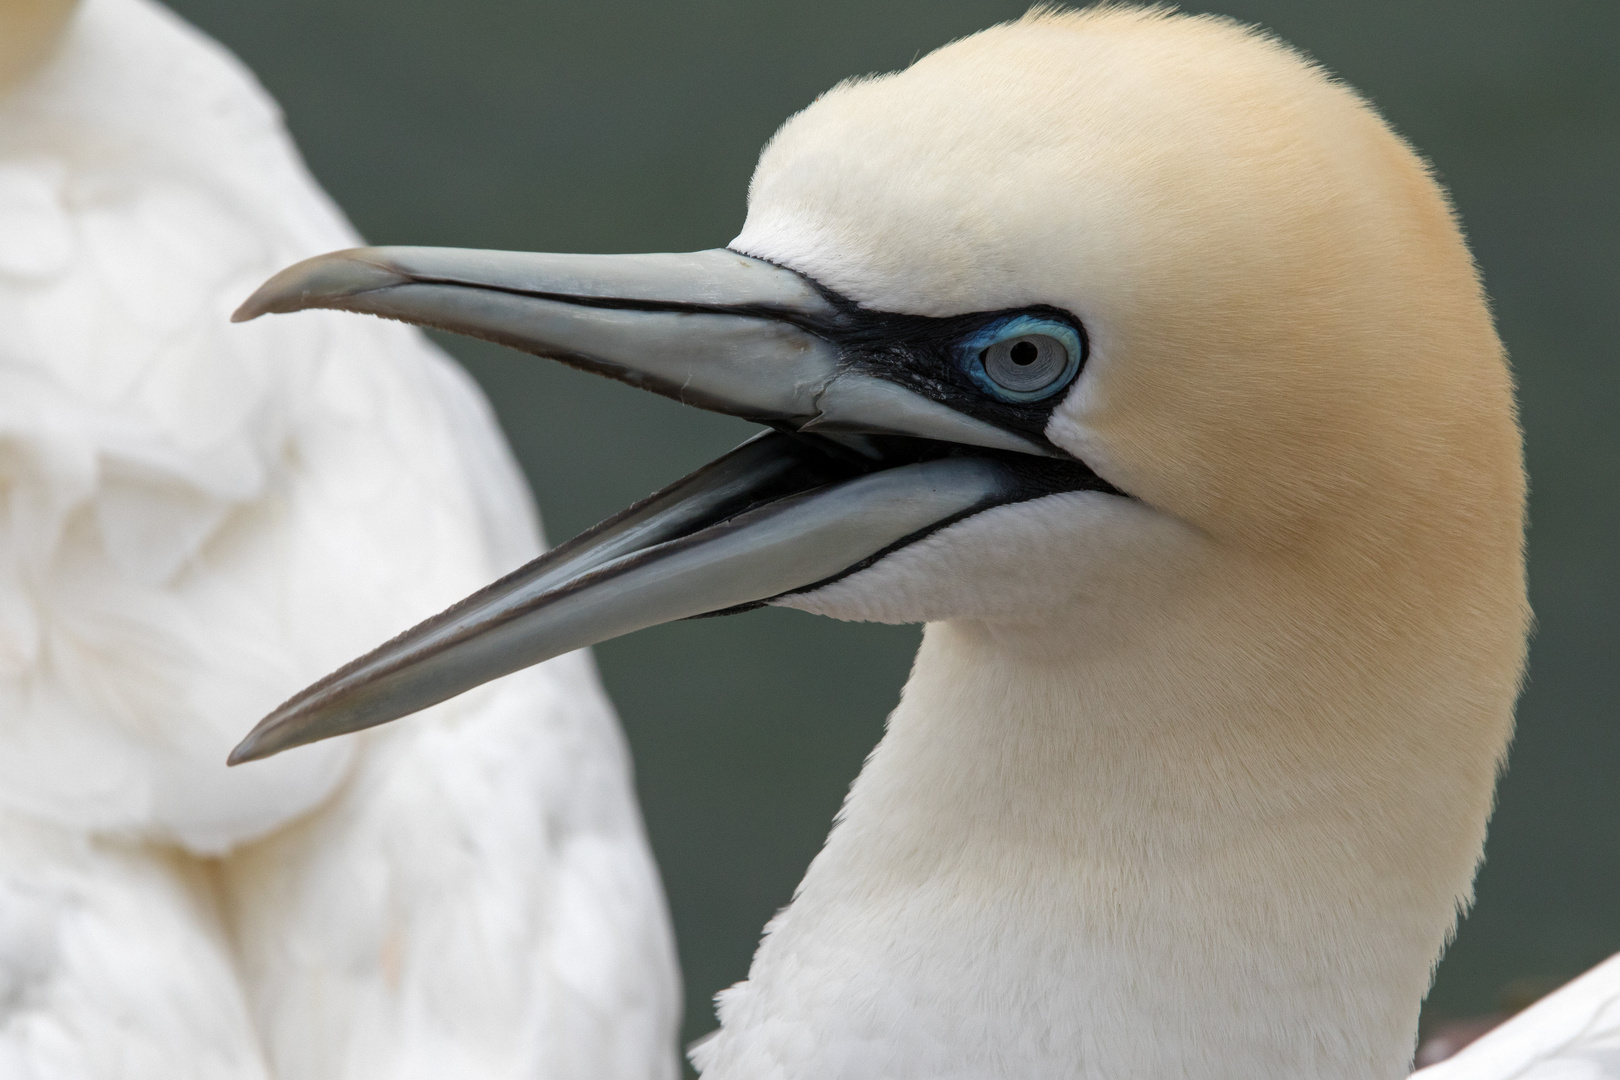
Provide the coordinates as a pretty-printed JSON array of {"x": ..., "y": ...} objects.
[
  {"x": 1144, "y": 363},
  {"x": 194, "y": 521}
]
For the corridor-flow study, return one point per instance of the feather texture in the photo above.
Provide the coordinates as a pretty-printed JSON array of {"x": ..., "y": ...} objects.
[{"x": 197, "y": 519}]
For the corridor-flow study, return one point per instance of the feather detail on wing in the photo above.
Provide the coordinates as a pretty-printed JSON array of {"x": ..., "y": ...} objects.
[{"x": 196, "y": 519}]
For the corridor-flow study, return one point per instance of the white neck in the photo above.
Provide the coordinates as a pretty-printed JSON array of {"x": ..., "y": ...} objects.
[{"x": 1139, "y": 852}]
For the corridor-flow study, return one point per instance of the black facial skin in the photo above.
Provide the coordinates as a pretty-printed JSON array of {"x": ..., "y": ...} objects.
[{"x": 920, "y": 352}]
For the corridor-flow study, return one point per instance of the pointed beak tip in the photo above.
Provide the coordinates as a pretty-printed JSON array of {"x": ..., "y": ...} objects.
[
  {"x": 256, "y": 745},
  {"x": 321, "y": 282}
]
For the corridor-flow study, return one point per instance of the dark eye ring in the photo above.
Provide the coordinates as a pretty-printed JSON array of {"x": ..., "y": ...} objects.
[{"x": 1024, "y": 358}]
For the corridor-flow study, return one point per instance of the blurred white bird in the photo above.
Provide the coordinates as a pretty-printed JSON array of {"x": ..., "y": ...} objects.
[{"x": 195, "y": 519}]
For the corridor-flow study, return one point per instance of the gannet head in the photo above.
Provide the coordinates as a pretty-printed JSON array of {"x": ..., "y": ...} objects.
[
  {"x": 1289, "y": 352},
  {"x": 1147, "y": 364},
  {"x": 1061, "y": 313},
  {"x": 29, "y": 29}
]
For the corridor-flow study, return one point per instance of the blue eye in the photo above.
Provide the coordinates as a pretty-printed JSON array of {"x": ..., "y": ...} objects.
[{"x": 1023, "y": 358}]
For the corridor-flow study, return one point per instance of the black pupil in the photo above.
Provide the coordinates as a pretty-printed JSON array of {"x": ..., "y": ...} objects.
[{"x": 1024, "y": 353}]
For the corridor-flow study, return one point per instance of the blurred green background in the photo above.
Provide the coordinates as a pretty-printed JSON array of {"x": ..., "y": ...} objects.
[{"x": 633, "y": 126}]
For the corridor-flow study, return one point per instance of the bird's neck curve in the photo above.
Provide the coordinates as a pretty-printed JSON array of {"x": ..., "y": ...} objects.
[{"x": 1148, "y": 854}]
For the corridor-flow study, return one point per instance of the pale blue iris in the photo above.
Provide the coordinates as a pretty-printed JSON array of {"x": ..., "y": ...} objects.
[{"x": 1037, "y": 357}]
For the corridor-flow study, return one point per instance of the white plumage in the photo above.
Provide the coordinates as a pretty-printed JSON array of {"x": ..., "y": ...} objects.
[{"x": 198, "y": 519}]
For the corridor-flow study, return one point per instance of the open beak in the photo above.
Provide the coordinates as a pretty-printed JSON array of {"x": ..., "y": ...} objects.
[{"x": 858, "y": 465}]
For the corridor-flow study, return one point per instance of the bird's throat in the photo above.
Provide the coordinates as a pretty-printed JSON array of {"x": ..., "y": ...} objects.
[{"x": 1120, "y": 861}]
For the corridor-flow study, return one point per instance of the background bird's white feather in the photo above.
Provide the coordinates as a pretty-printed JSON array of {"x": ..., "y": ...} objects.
[
  {"x": 196, "y": 519},
  {"x": 113, "y": 964}
]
